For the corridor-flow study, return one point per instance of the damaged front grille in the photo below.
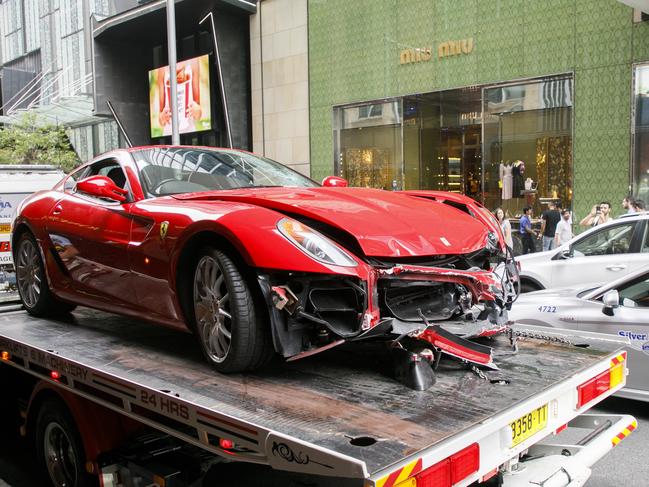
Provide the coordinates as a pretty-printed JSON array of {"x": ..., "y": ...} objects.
[
  {"x": 336, "y": 305},
  {"x": 408, "y": 300}
]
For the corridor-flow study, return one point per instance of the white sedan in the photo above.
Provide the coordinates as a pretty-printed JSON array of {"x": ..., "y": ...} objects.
[
  {"x": 599, "y": 254},
  {"x": 618, "y": 308}
]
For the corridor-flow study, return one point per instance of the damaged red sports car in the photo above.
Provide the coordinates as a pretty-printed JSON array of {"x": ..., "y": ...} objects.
[{"x": 255, "y": 258}]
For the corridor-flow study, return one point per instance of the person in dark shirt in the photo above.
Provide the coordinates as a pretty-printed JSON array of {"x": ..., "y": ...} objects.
[
  {"x": 526, "y": 231},
  {"x": 550, "y": 218}
]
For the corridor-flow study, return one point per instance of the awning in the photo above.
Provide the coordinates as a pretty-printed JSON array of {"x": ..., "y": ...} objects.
[
  {"x": 642, "y": 5},
  {"x": 71, "y": 111}
]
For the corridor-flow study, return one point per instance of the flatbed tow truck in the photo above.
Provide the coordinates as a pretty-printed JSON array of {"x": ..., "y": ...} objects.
[{"x": 87, "y": 385}]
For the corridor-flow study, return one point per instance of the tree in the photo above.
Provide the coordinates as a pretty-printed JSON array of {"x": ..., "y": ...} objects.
[{"x": 29, "y": 142}]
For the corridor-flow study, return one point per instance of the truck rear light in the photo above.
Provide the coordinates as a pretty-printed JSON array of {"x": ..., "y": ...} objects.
[
  {"x": 55, "y": 375},
  {"x": 5, "y": 355},
  {"x": 465, "y": 462},
  {"x": 602, "y": 383},
  {"x": 452, "y": 470},
  {"x": 439, "y": 475}
]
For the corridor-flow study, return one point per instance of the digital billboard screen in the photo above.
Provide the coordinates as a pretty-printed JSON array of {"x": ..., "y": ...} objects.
[{"x": 193, "y": 79}]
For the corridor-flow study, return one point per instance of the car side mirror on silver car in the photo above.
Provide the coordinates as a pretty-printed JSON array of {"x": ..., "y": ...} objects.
[
  {"x": 563, "y": 254},
  {"x": 611, "y": 300}
]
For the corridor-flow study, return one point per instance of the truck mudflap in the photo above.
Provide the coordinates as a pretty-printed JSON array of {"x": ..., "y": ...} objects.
[{"x": 569, "y": 465}]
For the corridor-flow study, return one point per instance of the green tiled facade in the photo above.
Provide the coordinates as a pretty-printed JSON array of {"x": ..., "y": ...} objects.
[{"x": 354, "y": 50}]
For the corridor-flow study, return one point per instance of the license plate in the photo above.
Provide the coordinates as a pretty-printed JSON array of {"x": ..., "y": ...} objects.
[{"x": 529, "y": 424}]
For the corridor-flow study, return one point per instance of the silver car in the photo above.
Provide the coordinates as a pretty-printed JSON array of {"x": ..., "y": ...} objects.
[{"x": 618, "y": 308}]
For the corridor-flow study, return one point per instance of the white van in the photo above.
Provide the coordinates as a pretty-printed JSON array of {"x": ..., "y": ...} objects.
[{"x": 16, "y": 183}]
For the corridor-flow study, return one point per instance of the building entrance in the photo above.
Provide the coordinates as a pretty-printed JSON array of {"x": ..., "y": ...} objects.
[{"x": 442, "y": 141}]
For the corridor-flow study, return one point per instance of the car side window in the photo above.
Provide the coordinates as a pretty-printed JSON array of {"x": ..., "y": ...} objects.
[
  {"x": 73, "y": 178},
  {"x": 613, "y": 239},
  {"x": 645, "y": 240},
  {"x": 109, "y": 168},
  {"x": 635, "y": 294}
]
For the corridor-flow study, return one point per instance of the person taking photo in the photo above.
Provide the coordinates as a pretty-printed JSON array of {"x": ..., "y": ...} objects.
[{"x": 599, "y": 214}]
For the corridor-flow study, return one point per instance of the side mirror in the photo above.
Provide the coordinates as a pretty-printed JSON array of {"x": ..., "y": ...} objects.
[
  {"x": 102, "y": 187},
  {"x": 563, "y": 254},
  {"x": 611, "y": 300},
  {"x": 334, "y": 182}
]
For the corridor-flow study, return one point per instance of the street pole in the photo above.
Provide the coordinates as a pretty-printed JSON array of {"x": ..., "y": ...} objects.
[{"x": 173, "y": 83}]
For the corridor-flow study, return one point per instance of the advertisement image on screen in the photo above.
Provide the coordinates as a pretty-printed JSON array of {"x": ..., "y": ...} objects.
[{"x": 193, "y": 80}]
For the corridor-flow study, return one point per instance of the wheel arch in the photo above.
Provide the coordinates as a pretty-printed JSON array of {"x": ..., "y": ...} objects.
[
  {"x": 100, "y": 428},
  {"x": 532, "y": 281},
  {"x": 187, "y": 258},
  {"x": 20, "y": 228}
]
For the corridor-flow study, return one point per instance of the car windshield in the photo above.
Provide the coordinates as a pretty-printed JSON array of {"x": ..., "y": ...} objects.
[{"x": 164, "y": 171}]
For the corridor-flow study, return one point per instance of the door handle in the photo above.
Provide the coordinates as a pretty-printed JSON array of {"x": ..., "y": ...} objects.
[
  {"x": 616, "y": 267},
  {"x": 57, "y": 210}
]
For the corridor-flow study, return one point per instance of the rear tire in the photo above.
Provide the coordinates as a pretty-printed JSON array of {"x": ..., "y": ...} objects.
[
  {"x": 230, "y": 328},
  {"x": 59, "y": 448},
  {"x": 31, "y": 281}
]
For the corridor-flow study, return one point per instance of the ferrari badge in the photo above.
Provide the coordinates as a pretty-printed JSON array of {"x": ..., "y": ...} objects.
[{"x": 164, "y": 226}]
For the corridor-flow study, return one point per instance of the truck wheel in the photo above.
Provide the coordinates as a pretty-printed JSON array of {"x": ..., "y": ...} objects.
[
  {"x": 231, "y": 334},
  {"x": 31, "y": 281},
  {"x": 59, "y": 448}
]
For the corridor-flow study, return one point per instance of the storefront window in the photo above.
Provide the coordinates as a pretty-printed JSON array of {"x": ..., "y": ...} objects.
[
  {"x": 527, "y": 158},
  {"x": 640, "y": 171},
  {"x": 508, "y": 145},
  {"x": 369, "y": 144}
]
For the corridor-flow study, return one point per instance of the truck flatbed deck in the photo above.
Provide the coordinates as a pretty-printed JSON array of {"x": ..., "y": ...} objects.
[{"x": 338, "y": 413}]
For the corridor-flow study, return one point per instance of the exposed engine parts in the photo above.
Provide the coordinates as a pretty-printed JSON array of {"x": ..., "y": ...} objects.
[{"x": 426, "y": 312}]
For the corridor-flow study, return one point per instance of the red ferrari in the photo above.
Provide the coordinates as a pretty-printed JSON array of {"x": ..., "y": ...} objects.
[{"x": 255, "y": 258}]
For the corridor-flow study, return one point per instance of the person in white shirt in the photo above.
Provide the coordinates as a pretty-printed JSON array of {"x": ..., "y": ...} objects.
[
  {"x": 563, "y": 233},
  {"x": 505, "y": 226}
]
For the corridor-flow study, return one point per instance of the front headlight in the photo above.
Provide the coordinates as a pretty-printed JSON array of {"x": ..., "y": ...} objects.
[{"x": 314, "y": 244}]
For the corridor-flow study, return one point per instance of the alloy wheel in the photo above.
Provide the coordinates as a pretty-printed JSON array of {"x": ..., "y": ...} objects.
[
  {"x": 28, "y": 273},
  {"x": 212, "y": 309}
]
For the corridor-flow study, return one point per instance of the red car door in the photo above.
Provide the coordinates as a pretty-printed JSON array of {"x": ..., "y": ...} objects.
[{"x": 91, "y": 236}]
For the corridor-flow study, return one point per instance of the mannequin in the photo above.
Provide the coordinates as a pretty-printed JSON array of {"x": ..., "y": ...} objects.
[
  {"x": 518, "y": 185},
  {"x": 506, "y": 179}
]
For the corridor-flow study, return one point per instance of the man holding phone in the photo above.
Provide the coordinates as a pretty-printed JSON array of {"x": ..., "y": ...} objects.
[{"x": 599, "y": 214}]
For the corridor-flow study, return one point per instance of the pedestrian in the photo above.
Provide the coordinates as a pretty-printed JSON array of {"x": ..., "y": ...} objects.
[
  {"x": 638, "y": 206},
  {"x": 628, "y": 204},
  {"x": 598, "y": 214},
  {"x": 563, "y": 232},
  {"x": 550, "y": 218},
  {"x": 527, "y": 234},
  {"x": 505, "y": 226}
]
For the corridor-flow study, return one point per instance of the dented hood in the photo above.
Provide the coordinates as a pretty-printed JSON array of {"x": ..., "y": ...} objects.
[{"x": 385, "y": 224}]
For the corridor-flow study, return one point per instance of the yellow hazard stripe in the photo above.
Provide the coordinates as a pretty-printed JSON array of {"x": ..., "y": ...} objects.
[
  {"x": 617, "y": 360},
  {"x": 624, "y": 433},
  {"x": 400, "y": 475}
]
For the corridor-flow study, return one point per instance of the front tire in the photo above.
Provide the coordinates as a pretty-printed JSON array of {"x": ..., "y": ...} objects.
[
  {"x": 230, "y": 329},
  {"x": 59, "y": 447},
  {"x": 31, "y": 280}
]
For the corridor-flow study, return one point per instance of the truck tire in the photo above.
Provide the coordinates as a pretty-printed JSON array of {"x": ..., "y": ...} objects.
[
  {"x": 31, "y": 280},
  {"x": 59, "y": 448},
  {"x": 230, "y": 329}
]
